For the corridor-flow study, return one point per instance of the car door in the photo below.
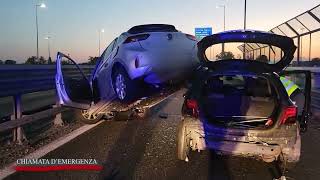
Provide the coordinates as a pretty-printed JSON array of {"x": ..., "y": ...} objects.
[
  {"x": 72, "y": 83},
  {"x": 302, "y": 78}
]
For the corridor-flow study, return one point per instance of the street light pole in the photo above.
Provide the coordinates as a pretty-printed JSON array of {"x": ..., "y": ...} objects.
[
  {"x": 48, "y": 38},
  {"x": 245, "y": 15},
  {"x": 224, "y": 17},
  {"x": 224, "y": 24},
  {"x": 37, "y": 31},
  {"x": 41, "y": 6},
  {"x": 224, "y": 21},
  {"x": 245, "y": 26},
  {"x": 100, "y": 31}
]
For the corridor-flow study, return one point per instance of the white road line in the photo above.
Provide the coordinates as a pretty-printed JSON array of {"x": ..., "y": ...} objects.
[{"x": 10, "y": 168}]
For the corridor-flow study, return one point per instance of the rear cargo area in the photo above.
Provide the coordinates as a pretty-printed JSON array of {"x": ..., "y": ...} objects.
[{"x": 238, "y": 98}]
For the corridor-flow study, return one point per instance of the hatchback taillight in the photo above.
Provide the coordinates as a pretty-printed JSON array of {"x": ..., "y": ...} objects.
[
  {"x": 191, "y": 37},
  {"x": 192, "y": 105},
  {"x": 289, "y": 115},
  {"x": 136, "y": 38}
]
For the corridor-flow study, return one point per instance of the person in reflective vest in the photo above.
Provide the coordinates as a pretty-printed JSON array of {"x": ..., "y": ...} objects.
[
  {"x": 295, "y": 93},
  {"x": 289, "y": 85}
]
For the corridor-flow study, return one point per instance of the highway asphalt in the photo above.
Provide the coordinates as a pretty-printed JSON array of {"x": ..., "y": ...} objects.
[{"x": 146, "y": 149}]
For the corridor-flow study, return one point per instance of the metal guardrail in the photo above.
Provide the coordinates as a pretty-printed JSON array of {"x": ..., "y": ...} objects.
[
  {"x": 315, "y": 75},
  {"x": 23, "y": 79},
  {"x": 316, "y": 99},
  {"x": 314, "y": 70},
  {"x": 17, "y": 80},
  {"x": 302, "y": 25},
  {"x": 315, "y": 95}
]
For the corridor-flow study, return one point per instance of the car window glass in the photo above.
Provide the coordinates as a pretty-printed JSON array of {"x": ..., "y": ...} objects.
[
  {"x": 114, "y": 44},
  {"x": 120, "y": 39},
  {"x": 253, "y": 51},
  {"x": 109, "y": 49}
]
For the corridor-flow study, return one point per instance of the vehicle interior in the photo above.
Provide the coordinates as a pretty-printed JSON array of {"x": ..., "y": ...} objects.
[{"x": 238, "y": 98}]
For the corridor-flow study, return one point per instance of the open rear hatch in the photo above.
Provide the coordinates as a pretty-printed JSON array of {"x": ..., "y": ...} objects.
[
  {"x": 241, "y": 92},
  {"x": 285, "y": 44}
]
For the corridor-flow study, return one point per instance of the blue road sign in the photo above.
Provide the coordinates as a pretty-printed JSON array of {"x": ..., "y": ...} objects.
[{"x": 202, "y": 32}]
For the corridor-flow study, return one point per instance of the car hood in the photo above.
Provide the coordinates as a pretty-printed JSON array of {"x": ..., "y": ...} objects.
[{"x": 286, "y": 44}]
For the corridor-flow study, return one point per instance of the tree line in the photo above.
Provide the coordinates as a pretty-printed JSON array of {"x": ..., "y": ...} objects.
[
  {"x": 93, "y": 60},
  {"x": 41, "y": 60}
]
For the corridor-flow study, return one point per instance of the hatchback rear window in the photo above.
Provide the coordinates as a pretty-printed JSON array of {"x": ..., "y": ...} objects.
[
  {"x": 238, "y": 97},
  {"x": 251, "y": 51}
]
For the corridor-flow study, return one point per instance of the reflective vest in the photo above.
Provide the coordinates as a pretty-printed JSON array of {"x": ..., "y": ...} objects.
[{"x": 289, "y": 85}]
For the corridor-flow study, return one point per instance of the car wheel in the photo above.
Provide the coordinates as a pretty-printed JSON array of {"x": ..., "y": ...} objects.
[
  {"x": 124, "y": 87},
  {"x": 183, "y": 142},
  {"x": 85, "y": 117}
]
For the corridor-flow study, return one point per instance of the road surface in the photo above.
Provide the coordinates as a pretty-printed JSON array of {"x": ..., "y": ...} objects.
[{"x": 146, "y": 149}]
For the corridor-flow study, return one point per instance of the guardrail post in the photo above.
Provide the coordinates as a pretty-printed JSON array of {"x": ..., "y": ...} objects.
[
  {"x": 315, "y": 80},
  {"x": 57, "y": 120},
  {"x": 18, "y": 134}
]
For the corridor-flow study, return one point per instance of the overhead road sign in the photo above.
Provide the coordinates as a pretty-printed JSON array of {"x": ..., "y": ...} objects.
[{"x": 203, "y": 32}]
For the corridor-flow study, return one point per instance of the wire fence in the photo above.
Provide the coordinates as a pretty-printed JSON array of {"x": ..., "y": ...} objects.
[{"x": 305, "y": 31}]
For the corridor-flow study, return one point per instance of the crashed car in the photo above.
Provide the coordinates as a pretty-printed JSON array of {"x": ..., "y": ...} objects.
[
  {"x": 240, "y": 107},
  {"x": 153, "y": 54}
]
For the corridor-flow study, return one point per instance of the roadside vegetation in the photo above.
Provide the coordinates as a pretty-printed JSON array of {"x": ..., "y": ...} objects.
[{"x": 41, "y": 61}]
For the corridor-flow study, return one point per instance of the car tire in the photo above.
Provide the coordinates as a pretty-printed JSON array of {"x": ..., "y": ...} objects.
[
  {"x": 126, "y": 90},
  {"x": 183, "y": 141},
  {"x": 83, "y": 116}
]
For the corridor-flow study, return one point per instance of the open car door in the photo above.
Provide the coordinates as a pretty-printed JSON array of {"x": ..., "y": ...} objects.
[
  {"x": 302, "y": 78},
  {"x": 72, "y": 84}
]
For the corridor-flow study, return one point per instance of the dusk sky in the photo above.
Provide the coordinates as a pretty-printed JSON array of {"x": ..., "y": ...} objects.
[{"x": 74, "y": 24}]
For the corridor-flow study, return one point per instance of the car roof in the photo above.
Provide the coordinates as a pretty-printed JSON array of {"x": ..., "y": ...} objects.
[{"x": 152, "y": 28}]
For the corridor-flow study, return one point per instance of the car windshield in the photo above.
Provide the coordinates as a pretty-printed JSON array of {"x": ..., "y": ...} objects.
[{"x": 251, "y": 51}]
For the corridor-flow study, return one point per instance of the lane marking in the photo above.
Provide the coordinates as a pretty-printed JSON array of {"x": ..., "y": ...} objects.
[{"x": 10, "y": 168}]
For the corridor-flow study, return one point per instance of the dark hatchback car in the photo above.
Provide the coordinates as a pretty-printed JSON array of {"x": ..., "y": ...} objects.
[{"x": 240, "y": 107}]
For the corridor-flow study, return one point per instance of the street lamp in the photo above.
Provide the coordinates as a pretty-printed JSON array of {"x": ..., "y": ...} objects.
[
  {"x": 245, "y": 26},
  {"x": 42, "y": 5},
  {"x": 49, "y": 58},
  {"x": 101, "y": 31},
  {"x": 224, "y": 14},
  {"x": 224, "y": 20}
]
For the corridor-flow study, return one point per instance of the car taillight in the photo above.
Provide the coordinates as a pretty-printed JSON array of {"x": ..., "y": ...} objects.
[
  {"x": 193, "y": 106},
  {"x": 136, "y": 38},
  {"x": 289, "y": 115},
  {"x": 191, "y": 37}
]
